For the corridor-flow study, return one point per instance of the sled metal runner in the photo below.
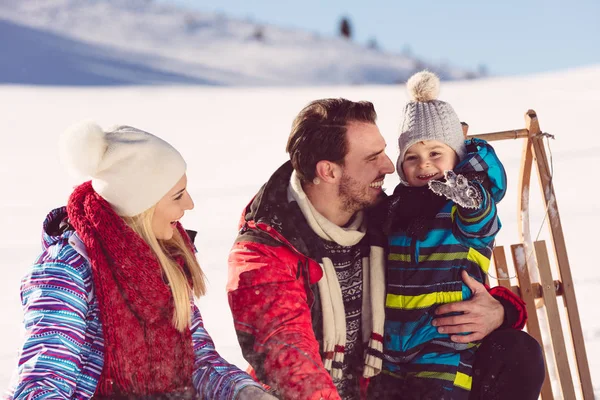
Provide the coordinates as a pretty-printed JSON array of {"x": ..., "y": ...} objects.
[{"x": 530, "y": 259}]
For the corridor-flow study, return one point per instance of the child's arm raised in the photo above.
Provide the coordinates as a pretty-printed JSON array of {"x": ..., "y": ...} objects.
[{"x": 475, "y": 216}]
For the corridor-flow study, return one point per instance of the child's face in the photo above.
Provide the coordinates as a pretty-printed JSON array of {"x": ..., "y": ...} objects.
[{"x": 427, "y": 160}]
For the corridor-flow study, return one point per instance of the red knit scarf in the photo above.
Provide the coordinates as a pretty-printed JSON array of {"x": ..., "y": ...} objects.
[{"x": 143, "y": 353}]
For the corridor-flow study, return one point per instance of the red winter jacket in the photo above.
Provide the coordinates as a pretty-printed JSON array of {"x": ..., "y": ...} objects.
[{"x": 274, "y": 299}]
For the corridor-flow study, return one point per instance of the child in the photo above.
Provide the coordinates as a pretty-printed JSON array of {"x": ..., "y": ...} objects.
[{"x": 440, "y": 221}]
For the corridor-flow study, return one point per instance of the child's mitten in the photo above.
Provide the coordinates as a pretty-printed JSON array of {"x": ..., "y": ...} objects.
[{"x": 458, "y": 189}]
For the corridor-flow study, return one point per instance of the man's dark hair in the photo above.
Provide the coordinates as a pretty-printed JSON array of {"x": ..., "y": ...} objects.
[{"x": 319, "y": 133}]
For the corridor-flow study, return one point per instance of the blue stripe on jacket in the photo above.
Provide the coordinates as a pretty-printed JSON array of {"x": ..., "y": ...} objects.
[{"x": 63, "y": 353}]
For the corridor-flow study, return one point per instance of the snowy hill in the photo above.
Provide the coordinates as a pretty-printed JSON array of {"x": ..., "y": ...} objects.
[
  {"x": 234, "y": 138},
  {"x": 118, "y": 42}
]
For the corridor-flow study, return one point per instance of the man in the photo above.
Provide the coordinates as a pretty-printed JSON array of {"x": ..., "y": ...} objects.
[{"x": 306, "y": 273}]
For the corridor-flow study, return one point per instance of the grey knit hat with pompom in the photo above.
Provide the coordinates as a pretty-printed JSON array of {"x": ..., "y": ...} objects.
[{"x": 427, "y": 118}]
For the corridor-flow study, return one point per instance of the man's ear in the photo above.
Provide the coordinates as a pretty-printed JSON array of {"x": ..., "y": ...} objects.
[{"x": 327, "y": 171}]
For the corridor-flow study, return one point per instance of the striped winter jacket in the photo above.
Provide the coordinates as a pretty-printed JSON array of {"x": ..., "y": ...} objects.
[
  {"x": 63, "y": 353},
  {"x": 423, "y": 274}
]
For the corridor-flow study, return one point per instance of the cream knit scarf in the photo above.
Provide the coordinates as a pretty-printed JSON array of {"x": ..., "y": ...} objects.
[{"x": 334, "y": 315}]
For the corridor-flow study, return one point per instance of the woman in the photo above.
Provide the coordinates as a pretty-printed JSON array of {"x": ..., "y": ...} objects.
[{"x": 109, "y": 308}]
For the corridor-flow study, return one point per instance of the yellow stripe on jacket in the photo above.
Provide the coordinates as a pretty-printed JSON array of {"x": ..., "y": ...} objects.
[{"x": 421, "y": 301}]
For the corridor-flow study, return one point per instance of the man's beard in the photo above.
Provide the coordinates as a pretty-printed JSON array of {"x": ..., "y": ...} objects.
[{"x": 353, "y": 195}]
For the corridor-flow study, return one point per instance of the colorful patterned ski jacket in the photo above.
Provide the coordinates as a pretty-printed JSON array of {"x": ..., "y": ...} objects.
[
  {"x": 424, "y": 271},
  {"x": 63, "y": 353}
]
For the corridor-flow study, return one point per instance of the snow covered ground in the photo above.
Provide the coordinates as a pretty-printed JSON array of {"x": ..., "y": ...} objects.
[{"x": 234, "y": 138}]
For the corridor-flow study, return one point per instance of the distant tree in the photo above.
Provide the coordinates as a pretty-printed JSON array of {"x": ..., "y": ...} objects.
[
  {"x": 259, "y": 34},
  {"x": 372, "y": 44},
  {"x": 345, "y": 28}
]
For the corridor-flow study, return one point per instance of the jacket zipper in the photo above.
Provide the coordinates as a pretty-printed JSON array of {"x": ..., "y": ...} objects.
[{"x": 415, "y": 250}]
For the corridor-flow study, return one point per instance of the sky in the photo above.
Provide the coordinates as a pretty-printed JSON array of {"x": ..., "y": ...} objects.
[{"x": 509, "y": 37}]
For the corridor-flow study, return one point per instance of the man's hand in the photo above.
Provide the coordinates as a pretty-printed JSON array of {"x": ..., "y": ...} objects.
[{"x": 482, "y": 314}]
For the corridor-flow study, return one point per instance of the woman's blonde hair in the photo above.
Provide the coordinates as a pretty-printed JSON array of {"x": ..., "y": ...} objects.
[{"x": 177, "y": 280}]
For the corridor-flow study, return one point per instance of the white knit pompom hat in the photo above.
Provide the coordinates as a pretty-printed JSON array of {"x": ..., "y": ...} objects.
[
  {"x": 130, "y": 168},
  {"x": 427, "y": 118}
]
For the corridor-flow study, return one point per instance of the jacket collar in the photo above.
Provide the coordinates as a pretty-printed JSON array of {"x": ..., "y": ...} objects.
[
  {"x": 272, "y": 208},
  {"x": 55, "y": 228}
]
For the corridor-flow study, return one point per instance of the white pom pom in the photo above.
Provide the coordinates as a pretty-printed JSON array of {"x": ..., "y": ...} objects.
[
  {"x": 423, "y": 86},
  {"x": 82, "y": 147}
]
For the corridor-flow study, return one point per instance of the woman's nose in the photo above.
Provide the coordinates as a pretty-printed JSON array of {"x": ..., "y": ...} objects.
[{"x": 189, "y": 204}]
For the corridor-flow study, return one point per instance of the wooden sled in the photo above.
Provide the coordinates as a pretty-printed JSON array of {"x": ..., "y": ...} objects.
[{"x": 530, "y": 259}]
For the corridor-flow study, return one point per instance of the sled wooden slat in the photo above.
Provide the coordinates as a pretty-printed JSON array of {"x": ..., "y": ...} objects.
[
  {"x": 523, "y": 198},
  {"x": 536, "y": 288},
  {"x": 520, "y": 260},
  {"x": 558, "y": 339},
  {"x": 494, "y": 136},
  {"x": 465, "y": 128},
  {"x": 560, "y": 251},
  {"x": 501, "y": 268}
]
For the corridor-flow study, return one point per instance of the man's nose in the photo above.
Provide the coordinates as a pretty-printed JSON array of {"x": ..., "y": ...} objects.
[{"x": 388, "y": 166}]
